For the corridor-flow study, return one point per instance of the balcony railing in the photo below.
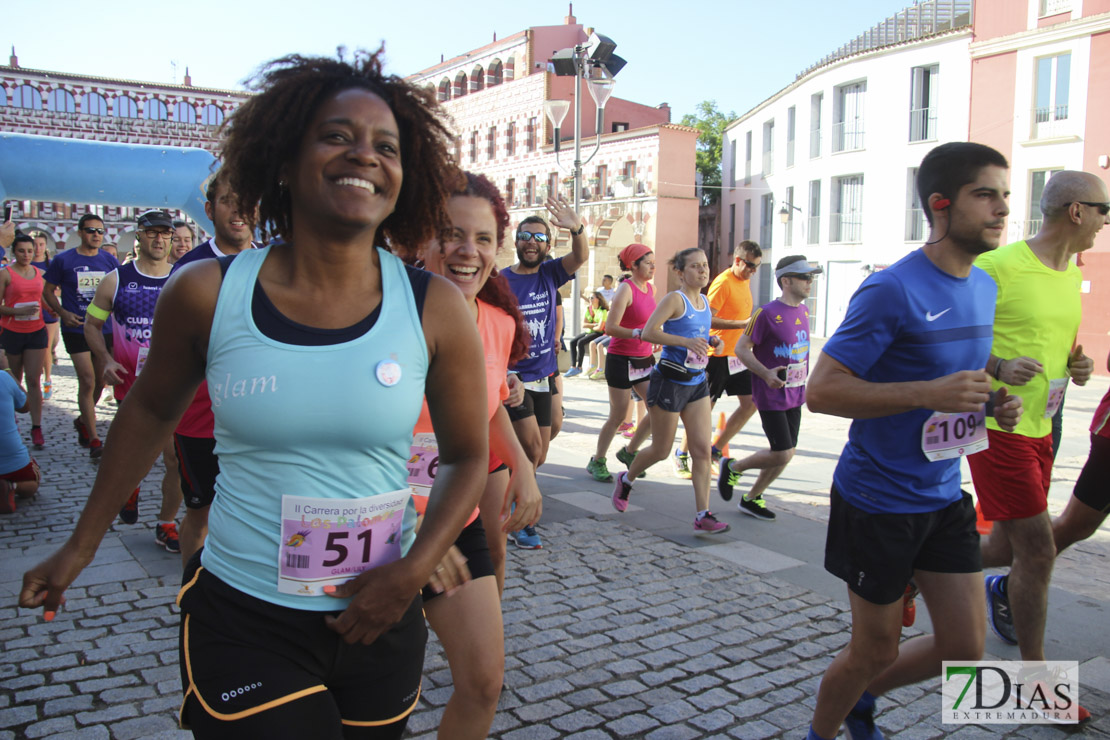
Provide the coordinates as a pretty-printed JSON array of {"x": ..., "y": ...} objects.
[
  {"x": 815, "y": 143},
  {"x": 789, "y": 152},
  {"x": 848, "y": 136},
  {"x": 768, "y": 163},
  {"x": 916, "y": 225},
  {"x": 923, "y": 124},
  {"x": 1050, "y": 121},
  {"x": 845, "y": 227},
  {"x": 813, "y": 230}
]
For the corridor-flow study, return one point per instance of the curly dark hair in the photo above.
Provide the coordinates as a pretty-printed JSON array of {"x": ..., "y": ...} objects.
[{"x": 264, "y": 136}]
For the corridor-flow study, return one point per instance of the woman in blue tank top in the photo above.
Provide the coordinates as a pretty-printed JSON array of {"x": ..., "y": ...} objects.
[
  {"x": 301, "y": 615},
  {"x": 678, "y": 385}
]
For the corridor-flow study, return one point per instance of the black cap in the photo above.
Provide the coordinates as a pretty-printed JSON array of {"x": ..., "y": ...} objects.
[{"x": 152, "y": 219}]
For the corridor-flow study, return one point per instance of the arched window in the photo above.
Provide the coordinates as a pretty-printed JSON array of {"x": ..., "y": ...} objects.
[
  {"x": 444, "y": 89},
  {"x": 3, "y": 96},
  {"x": 510, "y": 69},
  {"x": 495, "y": 73},
  {"x": 156, "y": 110},
  {"x": 185, "y": 112},
  {"x": 212, "y": 115},
  {"x": 94, "y": 104},
  {"x": 477, "y": 79},
  {"x": 460, "y": 85},
  {"x": 125, "y": 107},
  {"x": 61, "y": 101},
  {"x": 26, "y": 96}
]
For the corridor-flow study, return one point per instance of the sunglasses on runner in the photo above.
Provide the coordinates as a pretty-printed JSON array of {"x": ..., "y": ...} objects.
[
  {"x": 807, "y": 278},
  {"x": 527, "y": 236},
  {"x": 92, "y": 230},
  {"x": 751, "y": 265},
  {"x": 1103, "y": 208}
]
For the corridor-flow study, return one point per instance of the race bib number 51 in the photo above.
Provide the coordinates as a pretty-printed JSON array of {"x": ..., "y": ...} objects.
[
  {"x": 327, "y": 542},
  {"x": 945, "y": 436}
]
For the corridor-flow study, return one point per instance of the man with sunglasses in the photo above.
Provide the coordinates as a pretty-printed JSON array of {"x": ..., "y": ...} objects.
[
  {"x": 78, "y": 273},
  {"x": 535, "y": 282},
  {"x": 1033, "y": 352},
  {"x": 775, "y": 348}
]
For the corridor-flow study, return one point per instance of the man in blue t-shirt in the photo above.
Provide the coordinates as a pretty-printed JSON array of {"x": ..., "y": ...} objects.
[
  {"x": 535, "y": 283},
  {"x": 907, "y": 365},
  {"x": 78, "y": 272}
]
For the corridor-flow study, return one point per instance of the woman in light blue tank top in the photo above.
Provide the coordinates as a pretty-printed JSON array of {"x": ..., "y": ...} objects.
[
  {"x": 301, "y": 616},
  {"x": 678, "y": 387}
]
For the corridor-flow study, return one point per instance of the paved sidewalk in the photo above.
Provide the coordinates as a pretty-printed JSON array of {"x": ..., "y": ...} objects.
[{"x": 622, "y": 626}]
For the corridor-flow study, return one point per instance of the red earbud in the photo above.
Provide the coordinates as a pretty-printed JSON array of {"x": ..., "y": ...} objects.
[{"x": 941, "y": 204}]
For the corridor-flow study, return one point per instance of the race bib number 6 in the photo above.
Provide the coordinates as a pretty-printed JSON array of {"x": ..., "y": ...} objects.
[
  {"x": 945, "y": 436},
  {"x": 327, "y": 542}
]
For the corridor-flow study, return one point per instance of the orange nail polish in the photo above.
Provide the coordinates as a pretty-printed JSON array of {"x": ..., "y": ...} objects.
[
  {"x": 48, "y": 616},
  {"x": 329, "y": 589}
]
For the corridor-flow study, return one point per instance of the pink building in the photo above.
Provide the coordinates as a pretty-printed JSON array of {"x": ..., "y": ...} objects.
[
  {"x": 1039, "y": 73},
  {"x": 75, "y": 106},
  {"x": 638, "y": 188}
]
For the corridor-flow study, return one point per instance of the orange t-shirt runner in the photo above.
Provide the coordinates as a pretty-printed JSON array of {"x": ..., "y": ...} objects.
[
  {"x": 730, "y": 298},
  {"x": 497, "y": 330}
]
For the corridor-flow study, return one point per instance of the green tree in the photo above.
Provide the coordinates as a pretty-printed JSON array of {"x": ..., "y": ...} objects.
[{"x": 711, "y": 124}]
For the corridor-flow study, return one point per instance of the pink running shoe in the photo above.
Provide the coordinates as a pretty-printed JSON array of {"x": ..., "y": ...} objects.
[
  {"x": 709, "y": 524},
  {"x": 621, "y": 489},
  {"x": 630, "y": 432}
]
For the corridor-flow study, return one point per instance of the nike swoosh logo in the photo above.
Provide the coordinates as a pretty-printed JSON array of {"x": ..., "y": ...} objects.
[{"x": 930, "y": 316}]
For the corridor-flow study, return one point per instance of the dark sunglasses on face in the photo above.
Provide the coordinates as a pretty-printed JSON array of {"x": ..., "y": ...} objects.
[
  {"x": 807, "y": 278},
  {"x": 92, "y": 230},
  {"x": 1103, "y": 208},
  {"x": 527, "y": 236},
  {"x": 750, "y": 265}
]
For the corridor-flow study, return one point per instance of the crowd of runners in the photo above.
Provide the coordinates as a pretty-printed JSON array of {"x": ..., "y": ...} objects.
[{"x": 326, "y": 525}]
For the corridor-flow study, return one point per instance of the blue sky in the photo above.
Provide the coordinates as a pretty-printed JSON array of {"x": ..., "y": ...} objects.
[{"x": 737, "y": 52}]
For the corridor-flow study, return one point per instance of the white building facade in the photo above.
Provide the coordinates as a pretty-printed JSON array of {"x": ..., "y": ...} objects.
[{"x": 836, "y": 153}]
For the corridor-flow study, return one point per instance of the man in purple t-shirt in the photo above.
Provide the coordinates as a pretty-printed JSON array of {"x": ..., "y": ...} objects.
[{"x": 775, "y": 347}]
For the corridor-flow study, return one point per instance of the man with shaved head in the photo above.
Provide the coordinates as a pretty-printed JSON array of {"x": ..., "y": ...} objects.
[{"x": 1033, "y": 353}]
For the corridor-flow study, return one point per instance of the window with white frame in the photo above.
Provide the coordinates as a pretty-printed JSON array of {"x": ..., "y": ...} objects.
[
  {"x": 731, "y": 225},
  {"x": 916, "y": 225},
  {"x": 768, "y": 147},
  {"x": 848, "y": 117},
  {"x": 815, "y": 101},
  {"x": 732, "y": 162},
  {"x": 788, "y": 227},
  {"x": 1050, "y": 95},
  {"x": 747, "y": 233},
  {"x": 748, "y": 160},
  {"x": 1037, "y": 180},
  {"x": 61, "y": 101},
  {"x": 791, "y": 121},
  {"x": 923, "y": 102},
  {"x": 813, "y": 228},
  {"x": 1055, "y": 7},
  {"x": 766, "y": 213},
  {"x": 846, "y": 209}
]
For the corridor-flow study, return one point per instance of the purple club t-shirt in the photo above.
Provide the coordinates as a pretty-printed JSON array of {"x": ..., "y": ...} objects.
[{"x": 780, "y": 334}]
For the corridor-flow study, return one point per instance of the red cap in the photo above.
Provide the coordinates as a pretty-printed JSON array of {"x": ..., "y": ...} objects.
[{"x": 631, "y": 253}]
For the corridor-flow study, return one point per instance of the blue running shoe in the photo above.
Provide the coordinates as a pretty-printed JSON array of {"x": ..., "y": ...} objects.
[
  {"x": 860, "y": 722},
  {"x": 527, "y": 539},
  {"x": 999, "y": 616}
]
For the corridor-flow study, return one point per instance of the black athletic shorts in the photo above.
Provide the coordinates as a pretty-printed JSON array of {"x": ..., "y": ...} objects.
[
  {"x": 15, "y": 342},
  {"x": 671, "y": 396},
  {"x": 721, "y": 382},
  {"x": 617, "y": 367},
  {"x": 781, "y": 427},
  {"x": 75, "y": 343},
  {"x": 197, "y": 466},
  {"x": 250, "y": 668},
  {"x": 536, "y": 403},
  {"x": 474, "y": 547},
  {"x": 1093, "y": 486},
  {"x": 876, "y": 554}
]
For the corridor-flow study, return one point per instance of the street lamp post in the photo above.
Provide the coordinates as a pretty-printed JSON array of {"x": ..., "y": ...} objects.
[{"x": 595, "y": 62}]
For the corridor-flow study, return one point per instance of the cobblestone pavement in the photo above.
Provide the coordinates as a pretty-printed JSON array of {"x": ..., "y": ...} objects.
[{"x": 625, "y": 626}]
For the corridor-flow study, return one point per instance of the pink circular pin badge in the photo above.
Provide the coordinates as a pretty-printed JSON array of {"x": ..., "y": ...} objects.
[{"x": 388, "y": 372}]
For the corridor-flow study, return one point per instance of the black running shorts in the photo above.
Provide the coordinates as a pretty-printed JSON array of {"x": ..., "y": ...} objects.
[
  {"x": 722, "y": 382},
  {"x": 474, "y": 547},
  {"x": 15, "y": 342},
  {"x": 876, "y": 554},
  {"x": 75, "y": 343},
  {"x": 781, "y": 427},
  {"x": 617, "y": 367},
  {"x": 250, "y": 668},
  {"x": 197, "y": 466},
  {"x": 1093, "y": 486},
  {"x": 671, "y": 396}
]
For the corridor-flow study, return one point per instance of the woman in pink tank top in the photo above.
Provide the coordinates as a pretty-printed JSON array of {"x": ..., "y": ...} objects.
[
  {"x": 24, "y": 336},
  {"x": 629, "y": 360}
]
